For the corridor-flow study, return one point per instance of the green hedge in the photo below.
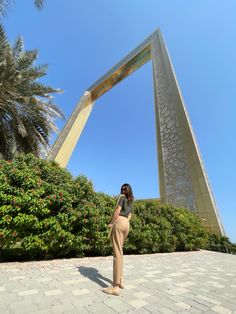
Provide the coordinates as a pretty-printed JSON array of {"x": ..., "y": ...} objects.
[
  {"x": 46, "y": 213},
  {"x": 163, "y": 228},
  {"x": 221, "y": 244}
]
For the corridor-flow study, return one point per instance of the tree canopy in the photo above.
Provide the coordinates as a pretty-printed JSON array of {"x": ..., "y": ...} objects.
[
  {"x": 27, "y": 108},
  {"x": 5, "y": 4}
]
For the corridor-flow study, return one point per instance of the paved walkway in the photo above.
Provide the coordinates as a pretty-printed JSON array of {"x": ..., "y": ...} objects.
[{"x": 188, "y": 282}]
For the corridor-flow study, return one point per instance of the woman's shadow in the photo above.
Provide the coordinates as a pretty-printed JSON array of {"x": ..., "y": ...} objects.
[{"x": 94, "y": 275}]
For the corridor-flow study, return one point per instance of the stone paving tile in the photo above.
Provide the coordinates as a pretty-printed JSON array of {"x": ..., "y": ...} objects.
[
  {"x": 161, "y": 280},
  {"x": 118, "y": 305},
  {"x": 48, "y": 311},
  {"x": 129, "y": 287},
  {"x": 166, "y": 303},
  {"x": 166, "y": 311},
  {"x": 229, "y": 305},
  {"x": 177, "y": 298},
  {"x": 140, "y": 280},
  {"x": 183, "y": 305},
  {"x": 74, "y": 281},
  {"x": 195, "y": 311},
  {"x": 25, "y": 309},
  {"x": 16, "y": 278},
  {"x": 176, "y": 274},
  {"x": 203, "y": 302},
  {"x": 138, "y": 303},
  {"x": 27, "y": 292},
  {"x": 53, "y": 292},
  {"x": 183, "y": 282},
  {"x": 177, "y": 291},
  {"x": 221, "y": 310},
  {"x": 141, "y": 295},
  {"x": 196, "y": 305},
  {"x": 82, "y": 302},
  {"x": 63, "y": 308},
  {"x": 154, "y": 308},
  {"x": 210, "y": 300},
  {"x": 101, "y": 308},
  {"x": 151, "y": 299},
  {"x": 140, "y": 311},
  {"x": 80, "y": 291}
]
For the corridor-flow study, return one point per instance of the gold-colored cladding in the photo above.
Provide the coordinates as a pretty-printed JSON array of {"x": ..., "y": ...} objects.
[
  {"x": 72, "y": 131},
  {"x": 124, "y": 71}
]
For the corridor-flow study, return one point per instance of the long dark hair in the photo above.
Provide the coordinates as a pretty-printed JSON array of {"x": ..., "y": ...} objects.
[{"x": 127, "y": 191}]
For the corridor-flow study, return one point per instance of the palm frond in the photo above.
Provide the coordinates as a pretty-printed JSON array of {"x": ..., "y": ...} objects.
[
  {"x": 26, "y": 59},
  {"x": 52, "y": 109},
  {"x": 39, "y": 3},
  {"x": 4, "y": 6},
  {"x": 18, "y": 47},
  {"x": 35, "y": 72},
  {"x": 38, "y": 71},
  {"x": 42, "y": 90},
  {"x": 3, "y": 40}
]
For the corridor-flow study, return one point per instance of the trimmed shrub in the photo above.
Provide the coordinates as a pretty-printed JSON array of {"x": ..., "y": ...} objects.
[
  {"x": 46, "y": 213},
  {"x": 164, "y": 228},
  {"x": 221, "y": 244}
]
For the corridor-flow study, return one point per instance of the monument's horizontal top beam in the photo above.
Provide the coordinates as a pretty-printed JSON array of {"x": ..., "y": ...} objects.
[
  {"x": 129, "y": 64},
  {"x": 122, "y": 72}
]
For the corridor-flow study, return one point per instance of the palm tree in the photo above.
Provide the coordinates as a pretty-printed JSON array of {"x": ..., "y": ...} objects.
[
  {"x": 27, "y": 109},
  {"x": 4, "y": 5}
]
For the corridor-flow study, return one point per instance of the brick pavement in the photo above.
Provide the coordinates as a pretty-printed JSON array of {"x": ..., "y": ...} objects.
[{"x": 183, "y": 282}]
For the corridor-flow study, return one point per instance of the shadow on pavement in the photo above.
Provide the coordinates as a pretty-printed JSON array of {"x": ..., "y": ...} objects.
[{"x": 94, "y": 275}]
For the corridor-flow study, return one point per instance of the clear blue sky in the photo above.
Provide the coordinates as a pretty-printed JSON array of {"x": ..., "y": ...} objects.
[{"x": 82, "y": 39}]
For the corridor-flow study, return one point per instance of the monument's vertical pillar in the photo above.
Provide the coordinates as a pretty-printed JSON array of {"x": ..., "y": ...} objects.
[
  {"x": 183, "y": 180},
  {"x": 66, "y": 142}
]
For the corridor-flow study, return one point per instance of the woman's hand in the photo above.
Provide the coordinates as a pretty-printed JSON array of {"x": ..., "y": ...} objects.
[{"x": 110, "y": 225}]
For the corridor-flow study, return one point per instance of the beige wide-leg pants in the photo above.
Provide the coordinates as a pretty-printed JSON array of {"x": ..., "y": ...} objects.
[{"x": 120, "y": 231}]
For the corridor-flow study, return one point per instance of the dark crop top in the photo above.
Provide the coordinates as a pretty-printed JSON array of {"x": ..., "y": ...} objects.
[{"x": 125, "y": 205}]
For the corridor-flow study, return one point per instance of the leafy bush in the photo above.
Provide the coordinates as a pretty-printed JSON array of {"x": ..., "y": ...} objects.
[
  {"x": 164, "y": 228},
  {"x": 221, "y": 244},
  {"x": 46, "y": 213}
]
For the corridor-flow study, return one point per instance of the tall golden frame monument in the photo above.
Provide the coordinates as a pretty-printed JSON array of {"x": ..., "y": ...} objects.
[{"x": 182, "y": 177}]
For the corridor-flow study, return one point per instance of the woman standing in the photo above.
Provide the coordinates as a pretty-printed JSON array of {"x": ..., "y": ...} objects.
[{"x": 119, "y": 232}]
